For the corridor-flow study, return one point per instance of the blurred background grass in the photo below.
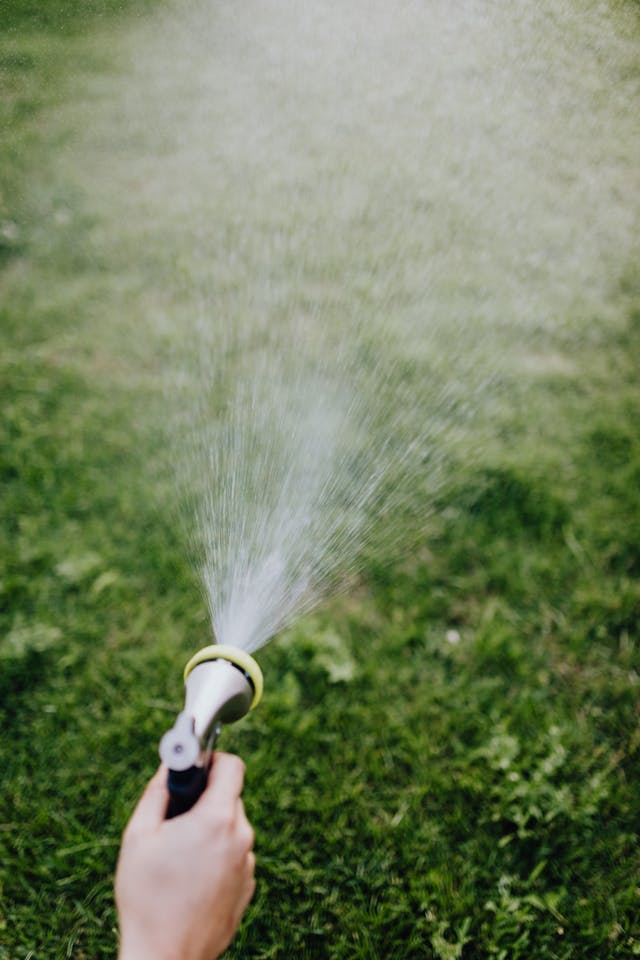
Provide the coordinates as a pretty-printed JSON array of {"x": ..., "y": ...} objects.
[{"x": 446, "y": 761}]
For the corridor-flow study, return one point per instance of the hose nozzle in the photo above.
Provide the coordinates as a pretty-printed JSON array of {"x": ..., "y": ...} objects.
[{"x": 221, "y": 685}]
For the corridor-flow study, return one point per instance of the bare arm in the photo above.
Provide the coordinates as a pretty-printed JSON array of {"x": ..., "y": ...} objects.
[{"x": 182, "y": 885}]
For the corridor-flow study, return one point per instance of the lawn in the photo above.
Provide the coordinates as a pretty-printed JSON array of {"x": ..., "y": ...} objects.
[{"x": 446, "y": 761}]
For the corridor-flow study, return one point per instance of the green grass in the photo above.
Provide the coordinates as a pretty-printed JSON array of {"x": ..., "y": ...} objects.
[{"x": 446, "y": 761}]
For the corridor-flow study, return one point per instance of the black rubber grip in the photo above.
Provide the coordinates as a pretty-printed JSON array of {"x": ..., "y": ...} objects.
[{"x": 185, "y": 786}]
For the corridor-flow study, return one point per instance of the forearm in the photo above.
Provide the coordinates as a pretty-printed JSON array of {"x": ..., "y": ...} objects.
[{"x": 182, "y": 885}]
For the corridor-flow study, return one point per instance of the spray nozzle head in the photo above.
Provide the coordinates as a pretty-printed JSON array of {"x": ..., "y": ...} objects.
[
  {"x": 240, "y": 659},
  {"x": 221, "y": 685}
]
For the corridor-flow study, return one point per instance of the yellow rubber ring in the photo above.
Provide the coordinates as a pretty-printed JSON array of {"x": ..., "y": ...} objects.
[{"x": 242, "y": 659}]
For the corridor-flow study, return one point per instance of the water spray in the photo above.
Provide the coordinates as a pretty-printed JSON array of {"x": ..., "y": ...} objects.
[{"x": 222, "y": 684}]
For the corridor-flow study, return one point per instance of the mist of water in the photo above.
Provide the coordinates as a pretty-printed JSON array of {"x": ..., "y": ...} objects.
[
  {"x": 297, "y": 451},
  {"x": 350, "y": 219}
]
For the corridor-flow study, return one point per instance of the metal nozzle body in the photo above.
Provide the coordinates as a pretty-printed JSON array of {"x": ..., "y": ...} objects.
[
  {"x": 221, "y": 685},
  {"x": 216, "y": 692}
]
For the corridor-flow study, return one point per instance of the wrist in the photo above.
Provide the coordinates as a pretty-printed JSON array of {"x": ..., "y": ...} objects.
[{"x": 137, "y": 948}]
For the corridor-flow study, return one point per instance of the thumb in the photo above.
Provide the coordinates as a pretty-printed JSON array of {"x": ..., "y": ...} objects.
[{"x": 152, "y": 806}]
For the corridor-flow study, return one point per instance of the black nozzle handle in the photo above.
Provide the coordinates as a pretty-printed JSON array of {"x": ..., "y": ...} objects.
[{"x": 185, "y": 786}]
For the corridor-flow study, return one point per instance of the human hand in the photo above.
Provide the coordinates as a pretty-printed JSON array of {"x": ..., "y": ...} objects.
[{"x": 182, "y": 885}]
